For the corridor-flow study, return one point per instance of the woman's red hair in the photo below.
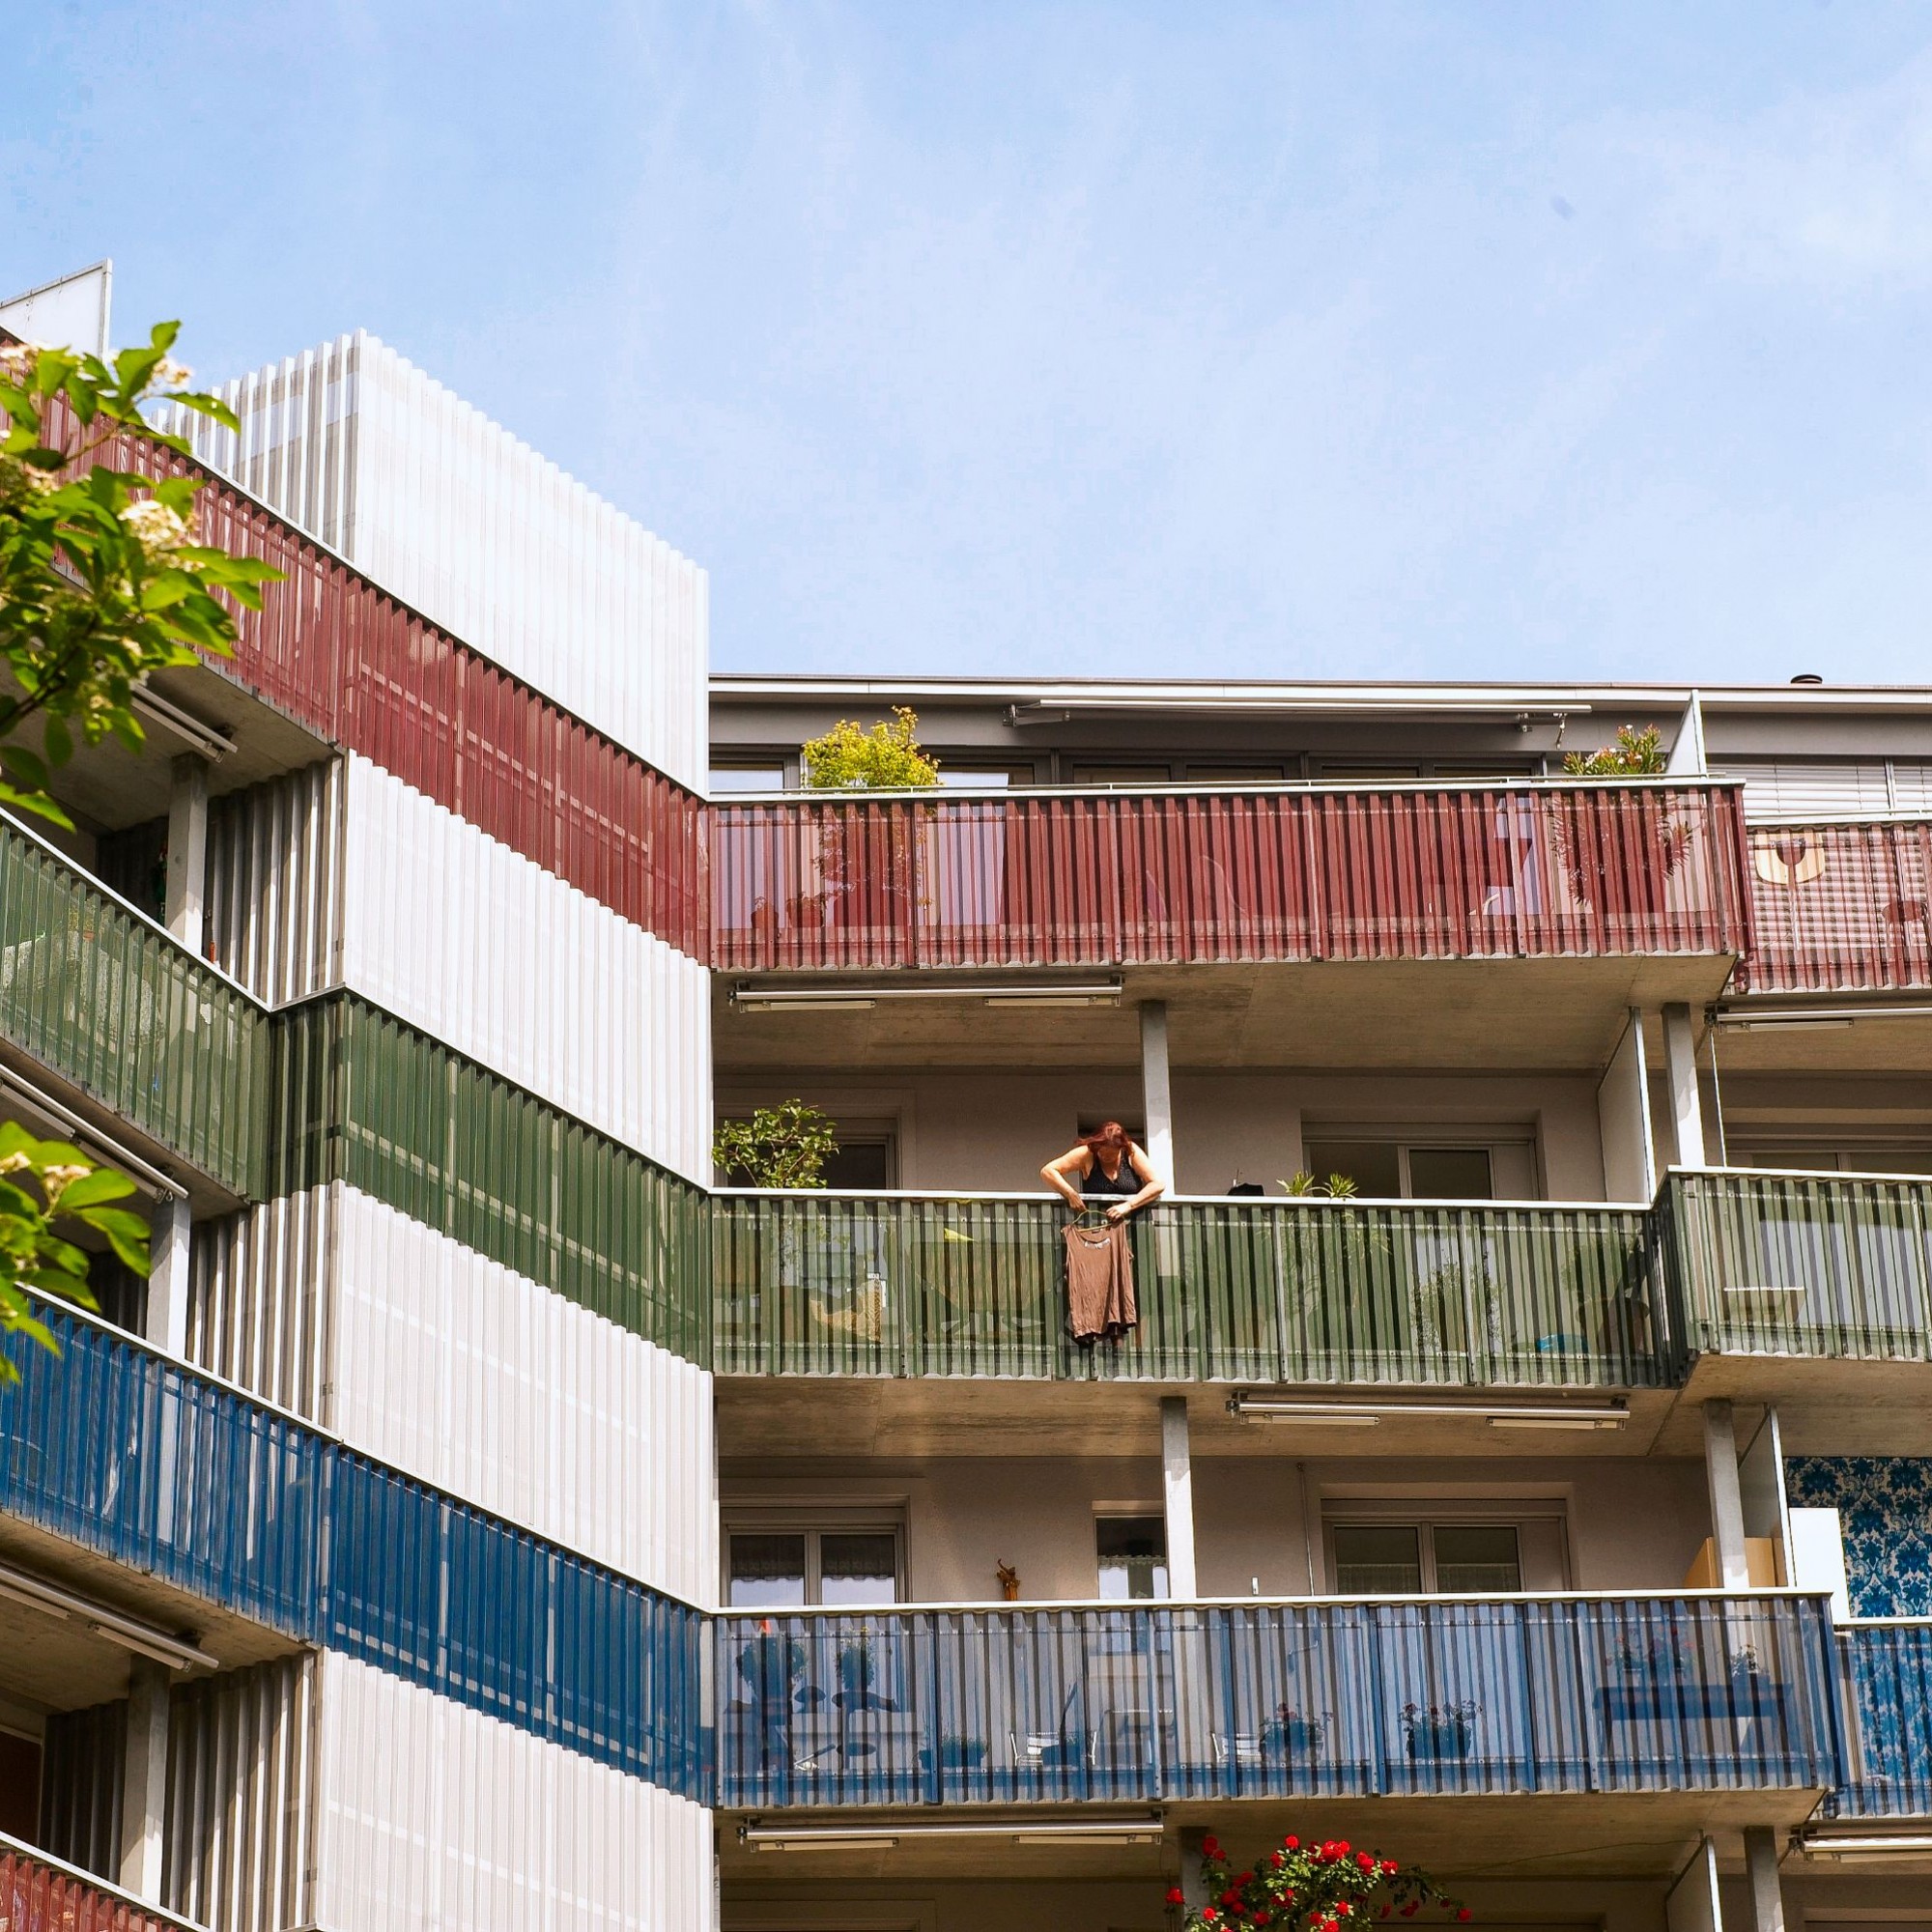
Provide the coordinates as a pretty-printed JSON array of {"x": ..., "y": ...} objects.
[{"x": 1108, "y": 1134}]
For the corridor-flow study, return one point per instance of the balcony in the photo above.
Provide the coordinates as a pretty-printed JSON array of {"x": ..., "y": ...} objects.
[
  {"x": 1113, "y": 879},
  {"x": 1886, "y": 1670},
  {"x": 1476, "y": 1296},
  {"x": 38, "y": 1891},
  {"x": 1840, "y": 907},
  {"x": 1275, "y": 1701},
  {"x": 122, "y": 1012}
]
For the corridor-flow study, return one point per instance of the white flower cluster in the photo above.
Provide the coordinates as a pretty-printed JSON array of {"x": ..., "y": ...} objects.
[
  {"x": 18, "y": 362},
  {"x": 168, "y": 374},
  {"x": 156, "y": 528}
]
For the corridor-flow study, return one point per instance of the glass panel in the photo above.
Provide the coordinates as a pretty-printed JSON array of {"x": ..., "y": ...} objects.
[
  {"x": 1477, "y": 1559},
  {"x": 981, "y": 778},
  {"x": 1450, "y": 1174},
  {"x": 858, "y": 1567},
  {"x": 1232, "y": 775},
  {"x": 1374, "y": 1166},
  {"x": 748, "y": 777},
  {"x": 1378, "y": 1559},
  {"x": 767, "y": 1571},
  {"x": 860, "y": 1164},
  {"x": 1122, "y": 775},
  {"x": 1133, "y": 1557}
]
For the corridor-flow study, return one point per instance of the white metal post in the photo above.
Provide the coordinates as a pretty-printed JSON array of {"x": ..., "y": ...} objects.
[
  {"x": 1177, "y": 1477},
  {"x": 1156, "y": 1091},
  {"x": 188, "y": 850},
  {"x": 144, "y": 1784},
  {"x": 1687, "y": 1107},
  {"x": 1727, "y": 1505}
]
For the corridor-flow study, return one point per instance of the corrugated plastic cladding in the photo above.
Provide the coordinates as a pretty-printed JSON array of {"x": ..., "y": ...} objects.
[
  {"x": 35, "y": 1894},
  {"x": 127, "y": 1453},
  {"x": 362, "y": 1097},
  {"x": 118, "y": 1009},
  {"x": 1840, "y": 907},
  {"x": 1472, "y": 872},
  {"x": 484, "y": 1827},
  {"x": 471, "y": 527},
  {"x": 369, "y": 673}
]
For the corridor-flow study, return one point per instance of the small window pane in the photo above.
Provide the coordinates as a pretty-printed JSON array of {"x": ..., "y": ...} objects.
[
  {"x": 748, "y": 777},
  {"x": 1378, "y": 1561},
  {"x": 860, "y": 1164},
  {"x": 1450, "y": 1174},
  {"x": 858, "y": 1567},
  {"x": 1374, "y": 1166},
  {"x": 1477, "y": 1559},
  {"x": 1122, "y": 775},
  {"x": 1133, "y": 1557},
  {"x": 767, "y": 1571}
]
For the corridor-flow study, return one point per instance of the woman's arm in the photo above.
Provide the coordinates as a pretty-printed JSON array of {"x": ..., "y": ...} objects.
[
  {"x": 1075, "y": 1162},
  {"x": 1153, "y": 1188}
]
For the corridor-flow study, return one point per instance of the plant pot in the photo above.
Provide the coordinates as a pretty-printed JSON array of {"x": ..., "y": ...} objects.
[
  {"x": 1440, "y": 1738},
  {"x": 954, "y": 1754},
  {"x": 1291, "y": 1738}
]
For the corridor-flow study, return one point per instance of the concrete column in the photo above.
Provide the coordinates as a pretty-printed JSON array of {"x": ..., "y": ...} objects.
[
  {"x": 1156, "y": 1091},
  {"x": 166, "y": 1324},
  {"x": 1687, "y": 1108},
  {"x": 1177, "y": 1479},
  {"x": 143, "y": 1786},
  {"x": 188, "y": 850},
  {"x": 1727, "y": 1506},
  {"x": 1766, "y": 1897}
]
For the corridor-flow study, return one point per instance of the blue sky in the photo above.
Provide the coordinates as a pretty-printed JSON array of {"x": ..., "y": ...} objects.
[{"x": 1352, "y": 341}]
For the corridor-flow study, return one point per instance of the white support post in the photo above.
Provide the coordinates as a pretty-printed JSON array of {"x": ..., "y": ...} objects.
[
  {"x": 166, "y": 1324},
  {"x": 1727, "y": 1506},
  {"x": 1156, "y": 1091},
  {"x": 1767, "y": 1895},
  {"x": 1687, "y": 1108},
  {"x": 1177, "y": 1478},
  {"x": 187, "y": 851},
  {"x": 144, "y": 1783}
]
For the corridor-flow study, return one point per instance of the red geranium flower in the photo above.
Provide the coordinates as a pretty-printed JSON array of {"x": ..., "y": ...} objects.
[
  {"x": 1175, "y": 1895},
  {"x": 1463, "y": 1914},
  {"x": 1290, "y": 1843}
]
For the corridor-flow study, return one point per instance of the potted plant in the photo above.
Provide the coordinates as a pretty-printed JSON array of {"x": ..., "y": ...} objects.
[
  {"x": 1288, "y": 1734},
  {"x": 1438, "y": 1730},
  {"x": 953, "y": 1752},
  {"x": 1328, "y": 1887},
  {"x": 1592, "y": 867}
]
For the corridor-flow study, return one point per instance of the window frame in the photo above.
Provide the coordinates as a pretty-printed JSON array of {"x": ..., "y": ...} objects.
[
  {"x": 813, "y": 1524},
  {"x": 1425, "y": 1517}
]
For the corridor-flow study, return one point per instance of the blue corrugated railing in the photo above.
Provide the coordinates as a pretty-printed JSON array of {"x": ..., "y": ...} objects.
[
  {"x": 181, "y": 1476},
  {"x": 1886, "y": 1672},
  {"x": 1145, "y": 1702}
]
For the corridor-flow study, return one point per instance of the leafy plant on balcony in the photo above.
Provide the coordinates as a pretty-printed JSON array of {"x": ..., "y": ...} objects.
[
  {"x": 1304, "y": 1186},
  {"x": 888, "y": 758},
  {"x": 1326, "y": 1887},
  {"x": 1659, "y": 1662},
  {"x": 1631, "y": 753},
  {"x": 1593, "y": 871},
  {"x": 1438, "y": 1730},
  {"x": 786, "y": 1145},
  {"x": 1290, "y": 1734}
]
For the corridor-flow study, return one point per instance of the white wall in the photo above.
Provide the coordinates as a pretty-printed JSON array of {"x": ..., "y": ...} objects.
[
  {"x": 436, "y": 1818},
  {"x": 454, "y": 515}
]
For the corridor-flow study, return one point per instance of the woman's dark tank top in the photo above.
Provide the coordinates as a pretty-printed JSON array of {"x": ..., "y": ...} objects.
[{"x": 1123, "y": 1187}]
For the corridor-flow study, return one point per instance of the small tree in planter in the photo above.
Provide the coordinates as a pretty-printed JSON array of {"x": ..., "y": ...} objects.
[
  {"x": 786, "y": 1145},
  {"x": 1322, "y": 1888},
  {"x": 1632, "y": 755}
]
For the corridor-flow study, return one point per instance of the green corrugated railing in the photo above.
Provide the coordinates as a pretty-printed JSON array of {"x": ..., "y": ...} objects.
[
  {"x": 1249, "y": 1291},
  {"x": 109, "y": 1002},
  {"x": 1834, "y": 1267}
]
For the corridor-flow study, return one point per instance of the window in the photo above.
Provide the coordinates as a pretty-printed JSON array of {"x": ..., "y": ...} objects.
[
  {"x": 1132, "y": 1552},
  {"x": 768, "y": 776},
  {"x": 984, "y": 777},
  {"x": 1441, "y": 1164},
  {"x": 778, "y": 1568},
  {"x": 861, "y": 1161},
  {"x": 1234, "y": 775},
  {"x": 1452, "y": 1550},
  {"x": 1122, "y": 775}
]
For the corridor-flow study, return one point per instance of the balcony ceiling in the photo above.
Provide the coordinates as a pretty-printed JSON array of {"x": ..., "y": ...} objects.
[
  {"x": 761, "y": 1418},
  {"x": 1407, "y": 1014},
  {"x": 1871, "y": 1044}
]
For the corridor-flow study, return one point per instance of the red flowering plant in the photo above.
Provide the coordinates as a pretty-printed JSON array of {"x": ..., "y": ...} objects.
[{"x": 1329, "y": 1886}]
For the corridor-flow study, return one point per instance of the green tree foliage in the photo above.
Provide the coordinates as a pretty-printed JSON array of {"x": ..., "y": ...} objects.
[
  {"x": 42, "y": 1182},
  {"x": 786, "y": 1145},
  {"x": 101, "y": 584},
  {"x": 100, "y": 579},
  {"x": 886, "y": 758},
  {"x": 1633, "y": 754}
]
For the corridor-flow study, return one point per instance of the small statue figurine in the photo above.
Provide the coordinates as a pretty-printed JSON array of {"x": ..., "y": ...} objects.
[{"x": 1009, "y": 1581}]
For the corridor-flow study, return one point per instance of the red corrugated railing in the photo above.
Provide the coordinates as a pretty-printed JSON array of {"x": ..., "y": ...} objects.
[
  {"x": 1840, "y": 907},
  {"x": 40, "y": 1894},
  {"x": 1046, "y": 879},
  {"x": 369, "y": 673}
]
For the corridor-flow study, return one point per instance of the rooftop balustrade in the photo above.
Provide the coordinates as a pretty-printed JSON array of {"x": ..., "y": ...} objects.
[
  {"x": 1157, "y": 1701},
  {"x": 1115, "y": 878},
  {"x": 114, "y": 1004},
  {"x": 1288, "y": 1290}
]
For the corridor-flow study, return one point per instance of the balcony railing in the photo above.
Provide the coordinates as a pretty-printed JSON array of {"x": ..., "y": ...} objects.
[
  {"x": 39, "y": 1893},
  {"x": 1840, "y": 907},
  {"x": 1837, "y": 1267},
  {"x": 1117, "y": 878},
  {"x": 1886, "y": 1670},
  {"x": 1251, "y": 1290},
  {"x": 969, "y": 1706},
  {"x": 112, "y": 1004}
]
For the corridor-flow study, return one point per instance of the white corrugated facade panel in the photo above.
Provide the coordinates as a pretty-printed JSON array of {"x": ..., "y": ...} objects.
[
  {"x": 461, "y": 936},
  {"x": 433, "y": 1817},
  {"x": 476, "y": 1379},
  {"x": 455, "y": 516}
]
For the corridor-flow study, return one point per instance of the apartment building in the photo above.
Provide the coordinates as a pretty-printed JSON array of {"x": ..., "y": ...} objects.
[{"x": 483, "y": 1516}]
